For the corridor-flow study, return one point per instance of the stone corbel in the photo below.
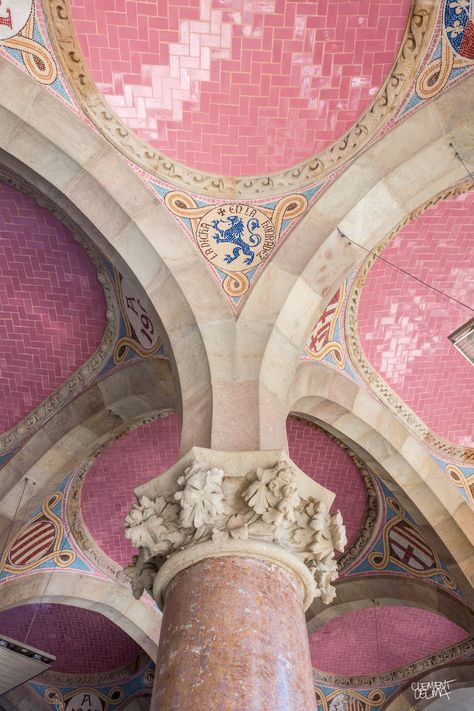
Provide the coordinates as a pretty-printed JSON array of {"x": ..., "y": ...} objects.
[{"x": 251, "y": 504}]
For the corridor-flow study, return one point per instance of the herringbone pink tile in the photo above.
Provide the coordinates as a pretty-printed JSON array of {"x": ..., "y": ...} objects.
[
  {"x": 52, "y": 313},
  {"x": 352, "y": 642},
  {"x": 404, "y": 326},
  {"x": 239, "y": 86},
  {"x": 324, "y": 460},
  {"x": 129, "y": 461},
  {"x": 83, "y": 641}
]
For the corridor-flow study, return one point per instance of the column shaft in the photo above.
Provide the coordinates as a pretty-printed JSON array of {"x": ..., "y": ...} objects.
[{"x": 234, "y": 638}]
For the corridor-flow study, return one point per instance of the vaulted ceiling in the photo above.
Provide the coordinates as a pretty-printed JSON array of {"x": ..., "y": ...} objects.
[{"x": 126, "y": 337}]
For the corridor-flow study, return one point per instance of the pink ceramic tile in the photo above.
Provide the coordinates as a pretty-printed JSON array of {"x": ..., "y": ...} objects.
[
  {"x": 348, "y": 644},
  {"x": 244, "y": 49},
  {"x": 83, "y": 641},
  {"x": 404, "y": 325},
  {"x": 52, "y": 314},
  {"x": 131, "y": 460},
  {"x": 321, "y": 458}
]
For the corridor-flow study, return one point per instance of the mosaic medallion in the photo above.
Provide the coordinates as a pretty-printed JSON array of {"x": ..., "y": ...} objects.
[{"x": 235, "y": 237}]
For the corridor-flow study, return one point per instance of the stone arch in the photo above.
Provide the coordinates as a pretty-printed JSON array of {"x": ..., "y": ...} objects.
[
  {"x": 23, "y": 699},
  {"x": 140, "y": 620},
  {"x": 50, "y": 148},
  {"x": 394, "y": 454},
  {"x": 139, "y": 390},
  {"x": 360, "y": 592},
  {"x": 404, "y": 168},
  {"x": 461, "y": 671}
]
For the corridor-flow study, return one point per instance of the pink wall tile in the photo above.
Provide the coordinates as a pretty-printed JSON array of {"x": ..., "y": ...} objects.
[
  {"x": 348, "y": 643},
  {"x": 52, "y": 314},
  {"x": 404, "y": 325},
  {"x": 107, "y": 493},
  {"x": 324, "y": 460},
  {"x": 83, "y": 641},
  {"x": 150, "y": 449},
  {"x": 328, "y": 58}
]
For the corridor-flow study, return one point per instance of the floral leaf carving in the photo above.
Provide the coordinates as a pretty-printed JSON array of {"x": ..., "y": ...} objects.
[
  {"x": 202, "y": 498},
  {"x": 259, "y": 494},
  {"x": 264, "y": 506}
]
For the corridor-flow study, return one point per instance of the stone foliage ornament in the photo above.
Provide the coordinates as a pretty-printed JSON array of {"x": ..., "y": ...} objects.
[{"x": 208, "y": 506}]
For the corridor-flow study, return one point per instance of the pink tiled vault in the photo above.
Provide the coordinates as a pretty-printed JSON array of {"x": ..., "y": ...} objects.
[
  {"x": 52, "y": 308},
  {"x": 348, "y": 643},
  {"x": 239, "y": 86},
  {"x": 107, "y": 494},
  {"x": 83, "y": 641},
  {"x": 404, "y": 325},
  {"x": 321, "y": 458}
]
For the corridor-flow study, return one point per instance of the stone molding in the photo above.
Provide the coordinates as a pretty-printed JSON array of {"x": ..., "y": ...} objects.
[
  {"x": 422, "y": 666},
  {"x": 85, "y": 373},
  {"x": 370, "y": 376},
  {"x": 62, "y": 680},
  {"x": 421, "y": 21},
  {"x": 258, "y": 504}
]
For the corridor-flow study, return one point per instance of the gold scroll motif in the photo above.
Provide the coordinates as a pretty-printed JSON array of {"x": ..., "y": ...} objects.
[
  {"x": 38, "y": 541},
  {"x": 435, "y": 75},
  {"x": 37, "y": 59},
  {"x": 349, "y": 699},
  {"x": 86, "y": 698},
  {"x": 236, "y": 238},
  {"x": 407, "y": 548},
  {"x": 461, "y": 481}
]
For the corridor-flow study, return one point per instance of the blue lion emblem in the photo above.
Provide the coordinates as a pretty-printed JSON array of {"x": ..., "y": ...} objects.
[{"x": 233, "y": 234}]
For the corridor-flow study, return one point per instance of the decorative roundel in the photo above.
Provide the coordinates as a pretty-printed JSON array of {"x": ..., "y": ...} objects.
[
  {"x": 236, "y": 237},
  {"x": 33, "y": 543},
  {"x": 14, "y": 15},
  {"x": 84, "y": 702},
  {"x": 459, "y": 26}
]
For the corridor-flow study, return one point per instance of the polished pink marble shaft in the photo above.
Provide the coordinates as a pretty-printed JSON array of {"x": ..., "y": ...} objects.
[{"x": 234, "y": 638}]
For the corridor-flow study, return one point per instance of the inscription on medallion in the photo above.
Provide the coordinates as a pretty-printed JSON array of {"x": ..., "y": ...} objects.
[
  {"x": 13, "y": 17},
  {"x": 84, "y": 702},
  {"x": 236, "y": 237}
]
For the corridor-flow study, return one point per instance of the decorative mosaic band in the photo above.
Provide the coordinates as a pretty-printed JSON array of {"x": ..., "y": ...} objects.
[
  {"x": 427, "y": 664},
  {"x": 235, "y": 239}
]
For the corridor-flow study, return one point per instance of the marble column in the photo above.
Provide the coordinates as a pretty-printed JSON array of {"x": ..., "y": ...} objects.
[{"x": 234, "y": 546}]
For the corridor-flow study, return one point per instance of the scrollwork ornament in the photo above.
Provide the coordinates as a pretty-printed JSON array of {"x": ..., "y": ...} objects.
[{"x": 208, "y": 506}]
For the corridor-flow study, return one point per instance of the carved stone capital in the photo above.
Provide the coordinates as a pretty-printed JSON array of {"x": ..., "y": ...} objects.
[{"x": 255, "y": 504}]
